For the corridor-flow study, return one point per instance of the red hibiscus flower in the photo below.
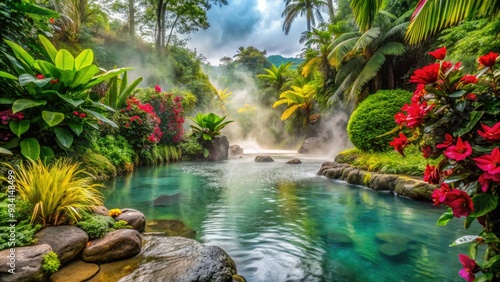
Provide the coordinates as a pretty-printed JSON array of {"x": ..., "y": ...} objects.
[
  {"x": 426, "y": 75},
  {"x": 460, "y": 151},
  {"x": 490, "y": 134},
  {"x": 468, "y": 79},
  {"x": 416, "y": 113},
  {"x": 439, "y": 195},
  {"x": 488, "y": 60},
  {"x": 400, "y": 118},
  {"x": 418, "y": 94},
  {"x": 439, "y": 53},
  {"x": 471, "y": 97},
  {"x": 157, "y": 88},
  {"x": 489, "y": 163},
  {"x": 54, "y": 81},
  {"x": 460, "y": 202},
  {"x": 447, "y": 142},
  {"x": 400, "y": 143},
  {"x": 467, "y": 272},
  {"x": 431, "y": 174}
]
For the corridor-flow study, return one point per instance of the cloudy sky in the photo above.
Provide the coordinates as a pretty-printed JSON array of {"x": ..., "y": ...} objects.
[{"x": 246, "y": 23}]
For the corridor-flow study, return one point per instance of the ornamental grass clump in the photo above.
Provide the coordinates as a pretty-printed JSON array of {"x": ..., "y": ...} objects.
[
  {"x": 58, "y": 191},
  {"x": 455, "y": 116}
]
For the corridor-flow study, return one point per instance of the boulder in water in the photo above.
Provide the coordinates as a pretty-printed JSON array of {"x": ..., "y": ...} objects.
[
  {"x": 219, "y": 149},
  {"x": 263, "y": 159},
  {"x": 117, "y": 245},
  {"x": 235, "y": 150},
  {"x": 66, "y": 241},
  {"x": 134, "y": 218},
  {"x": 166, "y": 200},
  {"x": 294, "y": 161},
  {"x": 76, "y": 271}
]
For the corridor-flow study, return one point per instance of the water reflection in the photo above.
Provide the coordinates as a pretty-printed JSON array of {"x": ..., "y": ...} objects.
[{"x": 281, "y": 222}]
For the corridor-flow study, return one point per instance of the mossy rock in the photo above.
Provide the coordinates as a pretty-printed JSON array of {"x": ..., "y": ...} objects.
[
  {"x": 339, "y": 238},
  {"x": 393, "y": 238}
]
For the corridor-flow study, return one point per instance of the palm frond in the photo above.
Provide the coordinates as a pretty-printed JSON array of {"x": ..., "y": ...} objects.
[
  {"x": 311, "y": 66},
  {"x": 341, "y": 50},
  {"x": 367, "y": 38},
  {"x": 364, "y": 12},
  {"x": 368, "y": 73}
]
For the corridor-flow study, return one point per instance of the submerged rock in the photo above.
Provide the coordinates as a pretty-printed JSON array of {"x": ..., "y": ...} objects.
[
  {"x": 134, "y": 218},
  {"x": 117, "y": 245},
  {"x": 393, "y": 250},
  {"x": 76, "y": 271},
  {"x": 263, "y": 159},
  {"x": 66, "y": 241},
  {"x": 28, "y": 264},
  {"x": 171, "y": 227},
  {"x": 294, "y": 161},
  {"x": 166, "y": 200},
  {"x": 393, "y": 238},
  {"x": 339, "y": 238},
  {"x": 187, "y": 260}
]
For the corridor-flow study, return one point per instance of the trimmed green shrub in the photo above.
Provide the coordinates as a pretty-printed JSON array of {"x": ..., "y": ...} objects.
[
  {"x": 115, "y": 148},
  {"x": 121, "y": 224},
  {"x": 96, "y": 226},
  {"x": 51, "y": 263},
  {"x": 374, "y": 117}
]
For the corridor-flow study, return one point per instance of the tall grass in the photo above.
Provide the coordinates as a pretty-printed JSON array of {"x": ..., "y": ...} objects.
[{"x": 59, "y": 191}]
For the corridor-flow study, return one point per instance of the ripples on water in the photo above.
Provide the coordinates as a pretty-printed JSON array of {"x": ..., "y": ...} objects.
[{"x": 277, "y": 220}]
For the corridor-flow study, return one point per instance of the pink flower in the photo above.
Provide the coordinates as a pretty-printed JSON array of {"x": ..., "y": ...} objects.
[
  {"x": 157, "y": 88},
  {"x": 439, "y": 53},
  {"x": 489, "y": 163},
  {"x": 467, "y": 272},
  {"x": 426, "y": 75},
  {"x": 399, "y": 143},
  {"x": 448, "y": 141},
  {"x": 40, "y": 76},
  {"x": 460, "y": 151},
  {"x": 488, "y": 60},
  {"x": 484, "y": 180},
  {"x": 490, "y": 134},
  {"x": 76, "y": 113}
]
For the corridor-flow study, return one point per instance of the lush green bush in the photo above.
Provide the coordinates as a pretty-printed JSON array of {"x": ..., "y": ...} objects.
[
  {"x": 116, "y": 149},
  {"x": 96, "y": 226},
  {"x": 98, "y": 165},
  {"x": 24, "y": 230},
  {"x": 191, "y": 148},
  {"x": 121, "y": 224},
  {"x": 374, "y": 117},
  {"x": 51, "y": 263}
]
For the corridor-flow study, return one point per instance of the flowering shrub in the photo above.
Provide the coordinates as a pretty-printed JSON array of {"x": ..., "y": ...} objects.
[
  {"x": 139, "y": 124},
  {"x": 169, "y": 109},
  {"x": 456, "y": 115}
]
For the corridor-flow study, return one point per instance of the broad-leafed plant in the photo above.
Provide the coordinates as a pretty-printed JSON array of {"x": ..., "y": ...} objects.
[
  {"x": 53, "y": 99},
  {"x": 207, "y": 126}
]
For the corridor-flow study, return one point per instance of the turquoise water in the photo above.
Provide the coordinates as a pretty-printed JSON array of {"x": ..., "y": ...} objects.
[{"x": 279, "y": 222}]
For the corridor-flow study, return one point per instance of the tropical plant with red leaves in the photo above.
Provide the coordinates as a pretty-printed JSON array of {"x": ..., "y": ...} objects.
[{"x": 455, "y": 115}]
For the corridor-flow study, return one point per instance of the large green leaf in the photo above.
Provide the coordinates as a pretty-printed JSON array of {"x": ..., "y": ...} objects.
[
  {"x": 107, "y": 75},
  {"x": 475, "y": 116},
  {"x": 18, "y": 66},
  {"x": 102, "y": 118},
  {"x": 84, "y": 59},
  {"x": 77, "y": 127},
  {"x": 4, "y": 151},
  {"x": 18, "y": 127},
  {"x": 72, "y": 101},
  {"x": 20, "y": 53},
  {"x": 22, "y": 104},
  {"x": 7, "y": 75},
  {"x": 46, "y": 152},
  {"x": 364, "y": 12},
  {"x": 483, "y": 203},
  {"x": 12, "y": 143},
  {"x": 30, "y": 148},
  {"x": 6, "y": 101},
  {"x": 36, "y": 10},
  {"x": 49, "y": 47},
  {"x": 464, "y": 240},
  {"x": 64, "y": 137},
  {"x": 25, "y": 79},
  {"x": 445, "y": 217},
  {"x": 84, "y": 75},
  {"x": 52, "y": 118},
  {"x": 48, "y": 68},
  {"x": 64, "y": 60}
]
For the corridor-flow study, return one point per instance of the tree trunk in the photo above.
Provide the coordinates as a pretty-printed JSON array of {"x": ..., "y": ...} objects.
[
  {"x": 331, "y": 11},
  {"x": 390, "y": 74},
  {"x": 131, "y": 18},
  {"x": 171, "y": 31},
  {"x": 159, "y": 17}
]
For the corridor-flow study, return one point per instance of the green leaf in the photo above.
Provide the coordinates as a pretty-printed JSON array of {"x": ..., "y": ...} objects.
[
  {"x": 456, "y": 177},
  {"x": 475, "y": 116},
  {"x": 107, "y": 75},
  {"x": 464, "y": 240},
  {"x": 7, "y": 75},
  {"x": 46, "y": 152},
  {"x": 485, "y": 277},
  {"x": 207, "y": 136},
  {"x": 473, "y": 250},
  {"x": 205, "y": 152},
  {"x": 52, "y": 118},
  {"x": 99, "y": 104},
  {"x": 46, "y": 67},
  {"x": 72, "y": 101},
  {"x": 20, "y": 53},
  {"x": 25, "y": 79},
  {"x": 492, "y": 261},
  {"x": 457, "y": 94},
  {"x": 30, "y": 148},
  {"x": 19, "y": 127},
  {"x": 22, "y": 104},
  {"x": 4, "y": 151},
  {"x": 64, "y": 60},
  {"x": 460, "y": 106},
  {"x": 12, "y": 143},
  {"x": 36, "y": 10},
  {"x": 84, "y": 75},
  {"x": 49, "y": 47},
  {"x": 64, "y": 137},
  {"x": 6, "y": 101},
  {"x": 483, "y": 203},
  {"x": 76, "y": 127},
  {"x": 102, "y": 118},
  {"x": 445, "y": 218},
  {"x": 84, "y": 59}
]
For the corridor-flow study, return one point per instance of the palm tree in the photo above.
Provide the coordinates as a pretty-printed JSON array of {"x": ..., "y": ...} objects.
[
  {"x": 359, "y": 57},
  {"x": 222, "y": 99},
  {"x": 277, "y": 76},
  {"x": 310, "y": 8},
  {"x": 298, "y": 98},
  {"x": 365, "y": 11},
  {"x": 431, "y": 16}
]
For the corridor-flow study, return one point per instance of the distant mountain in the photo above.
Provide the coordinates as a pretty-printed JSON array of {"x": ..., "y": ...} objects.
[{"x": 277, "y": 60}]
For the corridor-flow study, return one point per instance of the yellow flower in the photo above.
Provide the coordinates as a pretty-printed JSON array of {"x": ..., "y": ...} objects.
[{"x": 115, "y": 212}]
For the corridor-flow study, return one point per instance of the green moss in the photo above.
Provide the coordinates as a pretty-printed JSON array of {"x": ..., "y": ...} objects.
[
  {"x": 51, "y": 263},
  {"x": 375, "y": 117},
  {"x": 97, "y": 226},
  {"x": 367, "y": 178},
  {"x": 98, "y": 165}
]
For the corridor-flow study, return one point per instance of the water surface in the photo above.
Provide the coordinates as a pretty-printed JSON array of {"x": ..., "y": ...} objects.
[{"x": 282, "y": 222}]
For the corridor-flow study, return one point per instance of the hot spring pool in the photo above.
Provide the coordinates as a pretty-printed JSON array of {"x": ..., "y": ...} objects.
[{"x": 282, "y": 222}]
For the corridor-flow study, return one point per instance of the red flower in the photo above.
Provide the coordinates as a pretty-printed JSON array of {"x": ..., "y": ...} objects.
[
  {"x": 439, "y": 53},
  {"x": 490, "y": 134},
  {"x": 439, "y": 195},
  {"x": 127, "y": 125},
  {"x": 76, "y": 113},
  {"x": 446, "y": 66},
  {"x": 40, "y": 76},
  {"x": 471, "y": 97},
  {"x": 467, "y": 272},
  {"x": 426, "y": 151},
  {"x": 418, "y": 94},
  {"x": 426, "y": 75},
  {"x": 399, "y": 143},
  {"x": 82, "y": 115},
  {"x": 416, "y": 113},
  {"x": 468, "y": 78},
  {"x": 52, "y": 21},
  {"x": 490, "y": 163},
  {"x": 431, "y": 174},
  {"x": 484, "y": 180},
  {"x": 400, "y": 118},
  {"x": 54, "y": 81},
  {"x": 488, "y": 60},
  {"x": 157, "y": 88},
  {"x": 447, "y": 142},
  {"x": 460, "y": 202},
  {"x": 460, "y": 151}
]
